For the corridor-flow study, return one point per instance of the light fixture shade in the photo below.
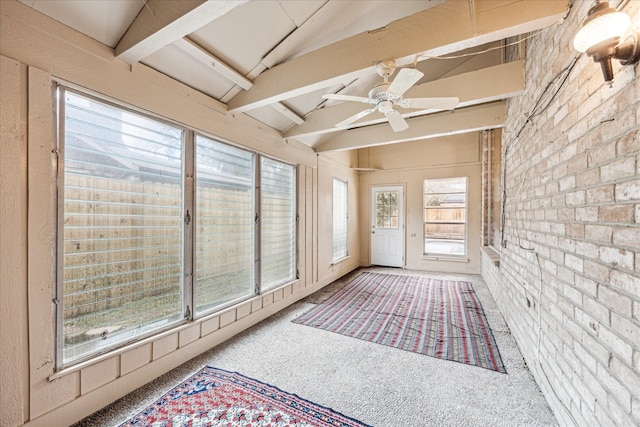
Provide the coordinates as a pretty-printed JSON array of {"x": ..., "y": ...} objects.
[{"x": 608, "y": 25}]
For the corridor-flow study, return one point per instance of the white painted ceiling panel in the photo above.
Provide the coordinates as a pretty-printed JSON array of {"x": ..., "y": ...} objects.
[
  {"x": 347, "y": 18},
  {"x": 175, "y": 63},
  {"x": 271, "y": 118},
  {"x": 242, "y": 37},
  {"x": 311, "y": 101},
  {"x": 105, "y": 21},
  {"x": 299, "y": 11}
]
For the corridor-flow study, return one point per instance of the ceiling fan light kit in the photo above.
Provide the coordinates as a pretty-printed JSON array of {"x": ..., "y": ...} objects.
[{"x": 387, "y": 95}]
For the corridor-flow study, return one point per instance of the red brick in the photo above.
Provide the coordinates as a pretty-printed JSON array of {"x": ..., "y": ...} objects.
[
  {"x": 617, "y": 256},
  {"x": 599, "y": 233},
  {"x": 627, "y": 237},
  {"x": 616, "y": 213},
  {"x": 574, "y": 230},
  {"x": 628, "y": 191},
  {"x": 629, "y": 143},
  {"x": 615, "y": 300},
  {"x": 576, "y": 164},
  {"x": 588, "y": 177},
  {"x": 597, "y": 271},
  {"x": 599, "y": 195},
  {"x": 602, "y": 154},
  {"x": 622, "y": 168}
]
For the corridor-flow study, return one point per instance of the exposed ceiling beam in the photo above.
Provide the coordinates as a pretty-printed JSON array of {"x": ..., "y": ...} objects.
[
  {"x": 476, "y": 87},
  {"x": 472, "y": 14},
  {"x": 288, "y": 113},
  {"x": 162, "y": 22},
  {"x": 437, "y": 31},
  {"x": 211, "y": 61},
  {"x": 470, "y": 119},
  {"x": 219, "y": 66}
]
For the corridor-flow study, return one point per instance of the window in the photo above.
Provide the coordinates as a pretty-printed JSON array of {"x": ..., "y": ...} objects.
[
  {"x": 494, "y": 188},
  {"x": 122, "y": 227},
  {"x": 158, "y": 225},
  {"x": 278, "y": 223},
  {"x": 445, "y": 206},
  {"x": 339, "y": 219},
  {"x": 225, "y": 206}
]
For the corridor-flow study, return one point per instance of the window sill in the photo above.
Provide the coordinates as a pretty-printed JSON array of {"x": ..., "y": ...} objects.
[
  {"x": 444, "y": 258},
  {"x": 64, "y": 371},
  {"x": 340, "y": 260},
  {"x": 493, "y": 255}
]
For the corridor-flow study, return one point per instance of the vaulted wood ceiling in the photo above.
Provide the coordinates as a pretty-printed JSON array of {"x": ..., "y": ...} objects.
[{"x": 274, "y": 59}]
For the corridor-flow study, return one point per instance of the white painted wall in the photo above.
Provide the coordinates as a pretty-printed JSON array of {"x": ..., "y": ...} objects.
[{"x": 409, "y": 164}]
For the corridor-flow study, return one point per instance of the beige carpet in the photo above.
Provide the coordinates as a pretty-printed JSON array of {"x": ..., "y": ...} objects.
[{"x": 379, "y": 385}]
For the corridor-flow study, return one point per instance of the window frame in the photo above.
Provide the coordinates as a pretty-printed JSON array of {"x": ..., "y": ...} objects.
[
  {"x": 188, "y": 231},
  {"x": 494, "y": 194},
  {"x": 59, "y": 227},
  {"x": 255, "y": 230},
  {"x": 294, "y": 227},
  {"x": 443, "y": 255},
  {"x": 345, "y": 202}
]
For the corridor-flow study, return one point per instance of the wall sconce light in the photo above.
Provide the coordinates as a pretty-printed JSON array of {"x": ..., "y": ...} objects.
[{"x": 599, "y": 36}]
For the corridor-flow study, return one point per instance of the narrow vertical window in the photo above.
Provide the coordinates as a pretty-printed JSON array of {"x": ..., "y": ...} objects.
[
  {"x": 445, "y": 208},
  {"x": 494, "y": 195},
  {"x": 224, "y": 220},
  {"x": 120, "y": 235},
  {"x": 277, "y": 223},
  {"x": 339, "y": 219}
]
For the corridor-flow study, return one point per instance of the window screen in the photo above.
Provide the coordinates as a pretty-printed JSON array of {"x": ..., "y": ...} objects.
[
  {"x": 121, "y": 221},
  {"x": 277, "y": 223},
  {"x": 445, "y": 207},
  {"x": 224, "y": 224},
  {"x": 339, "y": 219}
]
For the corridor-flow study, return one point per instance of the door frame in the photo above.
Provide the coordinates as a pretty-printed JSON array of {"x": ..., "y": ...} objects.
[{"x": 403, "y": 232}]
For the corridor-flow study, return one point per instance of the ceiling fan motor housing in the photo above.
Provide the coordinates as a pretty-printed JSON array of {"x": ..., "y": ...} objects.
[
  {"x": 385, "y": 107},
  {"x": 379, "y": 93}
]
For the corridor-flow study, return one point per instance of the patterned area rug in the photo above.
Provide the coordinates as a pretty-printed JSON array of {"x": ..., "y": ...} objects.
[
  {"x": 438, "y": 318},
  {"x": 214, "y": 397}
]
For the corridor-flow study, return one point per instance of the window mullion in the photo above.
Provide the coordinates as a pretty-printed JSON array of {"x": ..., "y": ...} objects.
[
  {"x": 257, "y": 231},
  {"x": 59, "y": 259},
  {"x": 189, "y": 213}
]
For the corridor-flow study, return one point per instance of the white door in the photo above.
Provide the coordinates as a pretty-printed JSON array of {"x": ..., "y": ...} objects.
[{"x": 387, "y": 226}]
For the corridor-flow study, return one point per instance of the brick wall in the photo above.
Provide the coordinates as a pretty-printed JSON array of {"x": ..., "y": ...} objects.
[{"x": 568, "y": 282}]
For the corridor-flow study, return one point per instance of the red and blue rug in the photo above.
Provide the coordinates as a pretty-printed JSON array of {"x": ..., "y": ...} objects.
[
  {"x": 214, "y": 397},
  {"x": 438, "y": 318}
]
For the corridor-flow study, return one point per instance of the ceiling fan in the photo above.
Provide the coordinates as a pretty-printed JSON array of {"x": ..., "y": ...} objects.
[{"x": 387, "y": 95}]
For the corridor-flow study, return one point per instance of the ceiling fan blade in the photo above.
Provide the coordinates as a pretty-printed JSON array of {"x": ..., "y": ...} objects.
[
  {"x": 406, "y": 78},
  {"x": 361, "y": 114},
  {"x": 397, "y": 122},
  {"x": 445, "y": 103},
  {"x": 337, "y": 97}
]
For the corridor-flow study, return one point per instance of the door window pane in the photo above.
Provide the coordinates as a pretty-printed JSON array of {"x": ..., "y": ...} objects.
[
  {"x": 387, "y": 209},
  {"x": 224, "y": 252},
  {"x": 121, "y": 226}
]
